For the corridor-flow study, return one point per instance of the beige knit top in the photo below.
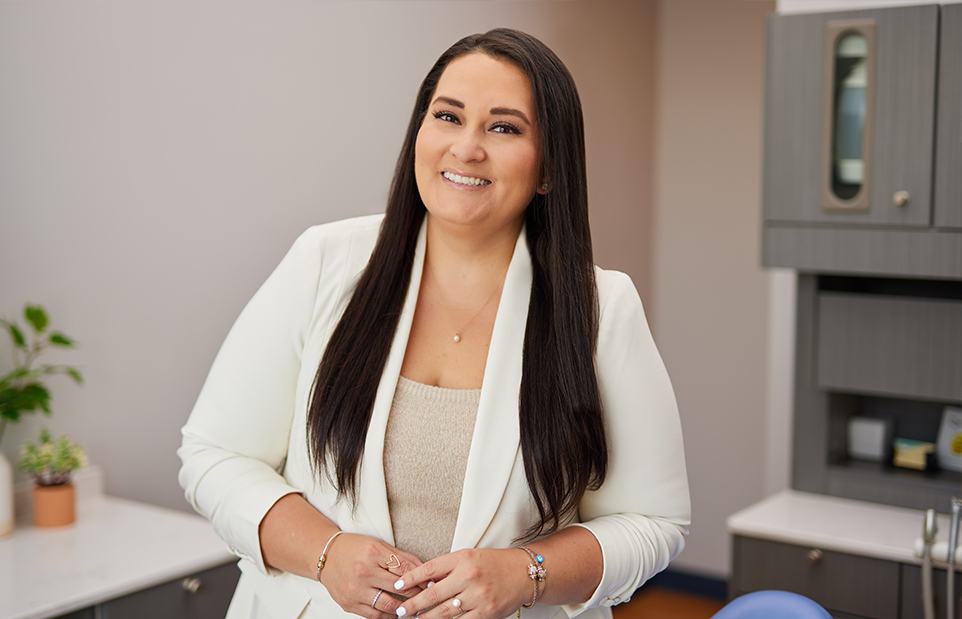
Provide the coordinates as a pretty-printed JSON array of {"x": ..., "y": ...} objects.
[{"x": 426, "y": 447}]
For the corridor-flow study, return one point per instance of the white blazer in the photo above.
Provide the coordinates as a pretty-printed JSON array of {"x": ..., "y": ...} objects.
[{"x": 244, "y": 445}]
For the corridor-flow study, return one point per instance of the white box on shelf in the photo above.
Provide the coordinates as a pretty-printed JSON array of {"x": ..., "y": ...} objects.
[{"x": 868, "y": 438}]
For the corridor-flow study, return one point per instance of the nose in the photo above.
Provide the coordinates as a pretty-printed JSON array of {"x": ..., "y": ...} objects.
[{"x": 467, "y": 147}]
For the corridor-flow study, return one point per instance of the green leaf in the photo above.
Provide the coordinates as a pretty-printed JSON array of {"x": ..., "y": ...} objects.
[
  {"x": 34, "y": 396},
  {"x": 8, "y": 409},
  {"x": 37, "y": 317},
  {"x": 17, "y": 400},
  {"x": 59, "y": 339},
  {"x": 17, "y": 335},
  {"x": 75, "y": 374}
]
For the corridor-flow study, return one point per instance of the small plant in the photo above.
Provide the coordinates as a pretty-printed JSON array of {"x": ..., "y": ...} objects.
[
  {"x": 51, "y": 462},
  {"x": 22, "y": 390}
]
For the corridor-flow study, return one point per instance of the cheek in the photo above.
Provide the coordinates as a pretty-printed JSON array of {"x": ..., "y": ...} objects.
[
  {"x": 427, "y": 146},
  {"x": 524, "y": 164}
]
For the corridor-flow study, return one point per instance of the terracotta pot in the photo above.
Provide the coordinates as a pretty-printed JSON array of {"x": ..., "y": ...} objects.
[{"x": 53, "y": 506}]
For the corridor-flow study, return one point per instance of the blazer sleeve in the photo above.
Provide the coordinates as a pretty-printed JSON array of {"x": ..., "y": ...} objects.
[
  {"x": 642, "y": 512},
  {"x": 234, "y": 443}
]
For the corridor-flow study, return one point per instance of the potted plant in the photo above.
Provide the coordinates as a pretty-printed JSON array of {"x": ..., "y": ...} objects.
[
  {"x": 22, "y": 390},
  {"x": 50, "y": 463}
]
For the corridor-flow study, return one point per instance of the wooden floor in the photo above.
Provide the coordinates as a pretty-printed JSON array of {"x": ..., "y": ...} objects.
[{"x": 656, "y": 603}]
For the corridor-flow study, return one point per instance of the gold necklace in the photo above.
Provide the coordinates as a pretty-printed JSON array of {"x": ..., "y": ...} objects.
[{"x": 457, "y": 334}]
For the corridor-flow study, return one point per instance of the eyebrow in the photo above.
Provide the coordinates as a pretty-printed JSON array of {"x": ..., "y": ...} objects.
[{"x": 498, "y": 111}]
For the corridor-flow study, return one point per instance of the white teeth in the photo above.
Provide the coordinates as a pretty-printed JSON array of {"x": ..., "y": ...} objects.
[{"x": 464, "y": 180}]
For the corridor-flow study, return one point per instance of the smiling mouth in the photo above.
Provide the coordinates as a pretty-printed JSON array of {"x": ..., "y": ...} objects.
[{"x": 465, "y": 181}]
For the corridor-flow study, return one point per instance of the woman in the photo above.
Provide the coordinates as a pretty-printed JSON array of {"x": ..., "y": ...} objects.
[{"x": 448, "y": 409}]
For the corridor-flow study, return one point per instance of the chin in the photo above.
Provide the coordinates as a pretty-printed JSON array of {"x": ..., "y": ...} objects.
[{"x": 459, "y": 214}]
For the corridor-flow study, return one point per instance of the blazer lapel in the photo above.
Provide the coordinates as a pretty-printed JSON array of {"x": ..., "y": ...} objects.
[
  {"x": 496, "y": 440},
  {"x": 495, "y": 443}
]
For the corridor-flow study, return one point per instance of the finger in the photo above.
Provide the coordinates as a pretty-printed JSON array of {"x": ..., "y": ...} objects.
[
  {"x": 407, "y": 565},
  {"x": 444, "y": 610},
  {"x": 370, "y": 613},
  {"x": 384, "y": 579},
  {"x": 387, "y": 603},
  {"x": 441, "y": 593},
  {"x": 435, "y": 569}
]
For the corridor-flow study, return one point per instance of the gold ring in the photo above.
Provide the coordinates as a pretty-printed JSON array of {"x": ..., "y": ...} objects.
[{"x": 393, "y": 563}]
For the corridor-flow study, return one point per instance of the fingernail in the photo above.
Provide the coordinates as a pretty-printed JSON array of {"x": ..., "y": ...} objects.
[
  {"x": 430, "y": 584},
  {"x": 399, "y": 585},
  {"x": 401, "y": 612}
]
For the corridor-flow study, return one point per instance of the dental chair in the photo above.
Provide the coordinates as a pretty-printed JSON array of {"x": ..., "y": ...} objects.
[{"x": 770, "y": 604}]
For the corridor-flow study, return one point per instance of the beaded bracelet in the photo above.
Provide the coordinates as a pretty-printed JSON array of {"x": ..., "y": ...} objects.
[
  {"x": 536, "y": 572},
  {"x": 321, "y": 560}
]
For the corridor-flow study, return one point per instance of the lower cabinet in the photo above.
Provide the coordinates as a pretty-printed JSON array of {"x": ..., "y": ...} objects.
[
  {"x": 846, "y": 585},
  {"x": 196, "y": 596}
]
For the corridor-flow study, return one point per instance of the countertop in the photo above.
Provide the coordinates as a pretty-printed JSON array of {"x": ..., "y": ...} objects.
[
  {"x": 843, "y": 525},
  {"x": 116, "y": 546}
]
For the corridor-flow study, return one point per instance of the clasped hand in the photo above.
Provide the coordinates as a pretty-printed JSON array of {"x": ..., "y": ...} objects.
[
  {"x": 363, "y": 579},
  {"x": 480, "y": 583}
]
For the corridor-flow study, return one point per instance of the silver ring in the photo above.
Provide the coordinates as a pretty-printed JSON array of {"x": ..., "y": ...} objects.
[
  {"x": 456, "y": 603},
  {"x": 376, "y": 596}
]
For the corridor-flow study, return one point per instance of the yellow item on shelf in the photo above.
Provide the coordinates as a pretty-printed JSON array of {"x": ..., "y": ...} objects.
[{"x": 912, "y": 454}]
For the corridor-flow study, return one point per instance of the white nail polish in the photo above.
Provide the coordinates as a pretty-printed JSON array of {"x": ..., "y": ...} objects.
[
  {"x": 430, "y": 584},
  {"x": 401, "y": 612},
  {"x": 399, "y": 585}
]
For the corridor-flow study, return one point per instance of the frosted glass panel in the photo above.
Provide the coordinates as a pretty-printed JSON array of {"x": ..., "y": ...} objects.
[{"x": 851, "y": 85}]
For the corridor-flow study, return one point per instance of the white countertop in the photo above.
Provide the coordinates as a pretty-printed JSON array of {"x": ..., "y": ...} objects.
[
  {"x": 843, "y": 525},
  {"x": 115, "y": 547}
]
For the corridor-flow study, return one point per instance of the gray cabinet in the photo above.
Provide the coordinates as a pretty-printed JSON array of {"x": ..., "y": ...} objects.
[
  {"x": 907, "y": 347},
  {"x": 871, "y": 217},
  {"x": 846, "y": 585},
  {"x": 948, "y": 169},
  {"x": 893, "y": 205},
  {"x": 196, "y": 596},
  {"x": 900, "y": 86}
]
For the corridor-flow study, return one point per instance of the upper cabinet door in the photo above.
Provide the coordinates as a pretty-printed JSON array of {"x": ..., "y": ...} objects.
[
  {"x": 948, "y": 149},
  {"x": 849, "y": 114}
]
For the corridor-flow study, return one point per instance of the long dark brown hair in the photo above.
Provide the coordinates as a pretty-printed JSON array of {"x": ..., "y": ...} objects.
[{"x": 561, "y": 425}]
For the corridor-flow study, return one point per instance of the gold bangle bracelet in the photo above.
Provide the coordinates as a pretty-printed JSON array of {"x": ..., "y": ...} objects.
[{"x": 321, "y": 560}]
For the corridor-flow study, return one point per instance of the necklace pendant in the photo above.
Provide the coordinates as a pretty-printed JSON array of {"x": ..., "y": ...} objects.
[{"x": 457, "y": 338}]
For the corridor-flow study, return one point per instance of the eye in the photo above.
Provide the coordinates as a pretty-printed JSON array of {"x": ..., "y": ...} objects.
[
  {"x": 445, "y": 115},
  {"x": 508, "y": 128}
]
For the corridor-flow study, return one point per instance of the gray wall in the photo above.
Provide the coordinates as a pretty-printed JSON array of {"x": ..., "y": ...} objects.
[{"x": 709, "y": 292}]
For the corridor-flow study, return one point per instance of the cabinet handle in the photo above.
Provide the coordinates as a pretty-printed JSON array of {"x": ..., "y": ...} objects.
[
  {"x": 814, "y": 555},
  {"x": 191, "y": 585},
  {"x": 900, "y": 198}
]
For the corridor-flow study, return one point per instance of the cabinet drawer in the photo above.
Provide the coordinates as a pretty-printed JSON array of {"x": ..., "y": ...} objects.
[
  {"x": 906, "y": 347},
  {"x": 214, "y": 589},
  {"x": 842, "y": 583}
]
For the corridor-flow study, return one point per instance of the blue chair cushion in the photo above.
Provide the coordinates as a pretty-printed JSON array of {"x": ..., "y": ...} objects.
[{"x": 770, "y": 604}]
